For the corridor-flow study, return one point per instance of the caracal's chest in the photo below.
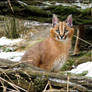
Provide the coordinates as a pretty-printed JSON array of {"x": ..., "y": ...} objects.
[
  {"x": 61, "y": 53},
  {"x": 59, "y": 62}
]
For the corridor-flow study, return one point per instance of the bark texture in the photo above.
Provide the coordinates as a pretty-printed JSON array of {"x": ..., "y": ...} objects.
[{"x": 26, "y": 78}]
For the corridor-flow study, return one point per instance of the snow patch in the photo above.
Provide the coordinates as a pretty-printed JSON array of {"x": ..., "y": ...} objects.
[
  {"x": 13, "y": 56},
  {"x": 22, "y": 3},
  {"x": 6, "y": 41},
  {"x": 83, "y": 67},
  {"x": 83, "y": 6},
  {"x": 29, "y": 24}
]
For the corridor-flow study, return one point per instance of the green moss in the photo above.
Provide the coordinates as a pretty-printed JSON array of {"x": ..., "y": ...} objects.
[
  {"x": 80, "y": 16},
  {"x": 83, "y": 73},
  {"x": 66, "y": 10},
  {"x": 40, "y": 19},
  {"x": 83, "y": 57},
  {"x": 86, "y": 11},
  {"x": 89, "y": 54},
  {"x": 39, "y": 84},
  {"x": 1, "y": 46},
  {"x": 68, "y": 65}
]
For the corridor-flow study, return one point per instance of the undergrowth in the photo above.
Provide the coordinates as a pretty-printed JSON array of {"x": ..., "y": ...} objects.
[{"x": 73, "y": 61}]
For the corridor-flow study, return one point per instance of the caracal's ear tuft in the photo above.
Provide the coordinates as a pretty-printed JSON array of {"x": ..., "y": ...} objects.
[
  {"x": 69, "y": 20},
  {"x": 55, "y": 20}
]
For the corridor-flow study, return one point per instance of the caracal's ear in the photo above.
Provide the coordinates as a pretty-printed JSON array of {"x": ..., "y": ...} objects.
[
  {"x": 55, "y": 20},
  {"x": 69, "y": 20}
]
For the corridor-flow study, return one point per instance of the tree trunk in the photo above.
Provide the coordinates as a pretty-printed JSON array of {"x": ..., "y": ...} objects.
[{"x": 80, "y": 35}]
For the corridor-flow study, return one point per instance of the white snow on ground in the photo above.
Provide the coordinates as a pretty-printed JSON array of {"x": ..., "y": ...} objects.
[
  {"x": 14, "y": 56},
  {"x": 83, "y": 6},
  {"x": 6, "y": 41},
  {"x": 83, "y": 67},
  {"x": 29, "y": 24}
]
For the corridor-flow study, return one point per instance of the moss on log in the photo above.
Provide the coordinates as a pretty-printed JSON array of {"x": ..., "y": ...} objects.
[
  {"x": 80, "y": 16},
  {"x": 30, "y": 11},
  {"x": 27, "y": 78}
]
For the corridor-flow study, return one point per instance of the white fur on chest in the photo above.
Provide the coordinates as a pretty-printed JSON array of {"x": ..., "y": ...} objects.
[{"x": 58, "y": 63}]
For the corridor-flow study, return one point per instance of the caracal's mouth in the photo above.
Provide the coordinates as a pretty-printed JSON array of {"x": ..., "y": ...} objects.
[{"x": 63, "y": 37}]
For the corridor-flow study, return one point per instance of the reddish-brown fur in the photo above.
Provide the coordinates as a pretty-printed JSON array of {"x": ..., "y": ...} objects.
[{"x": 51, "y": 53}]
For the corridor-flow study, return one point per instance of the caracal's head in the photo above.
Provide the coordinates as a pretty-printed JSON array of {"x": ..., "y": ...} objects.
[{"x": 62, "y": 30}]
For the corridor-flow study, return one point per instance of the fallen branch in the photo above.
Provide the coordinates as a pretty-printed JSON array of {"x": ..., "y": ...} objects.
[
  {"x": 13, "y": 85},
  {"x": 29, "y": 78},
  {"x": 25, "y": 10}
]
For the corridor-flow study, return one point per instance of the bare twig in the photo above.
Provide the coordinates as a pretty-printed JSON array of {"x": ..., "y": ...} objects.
[
  {"x": 67, "y": 83},
  {"x": 13, "y": 85},
  {"x": 4, "y": 88},
  {"x": 10, "y": 6},
  {"x": 83, "y": 40},
  {"x": 46, "y": 87}
]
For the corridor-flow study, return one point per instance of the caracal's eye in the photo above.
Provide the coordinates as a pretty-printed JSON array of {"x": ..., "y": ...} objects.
[
  {"x": 65, "y": 30},
  {"x": 58, "y": 31}
]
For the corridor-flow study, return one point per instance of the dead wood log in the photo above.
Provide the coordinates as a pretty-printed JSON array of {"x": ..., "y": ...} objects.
[
  {"x": 80, "y": 35},
  {"x": 33, "y": 79},
  {"x": 26, "y": 10}
]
